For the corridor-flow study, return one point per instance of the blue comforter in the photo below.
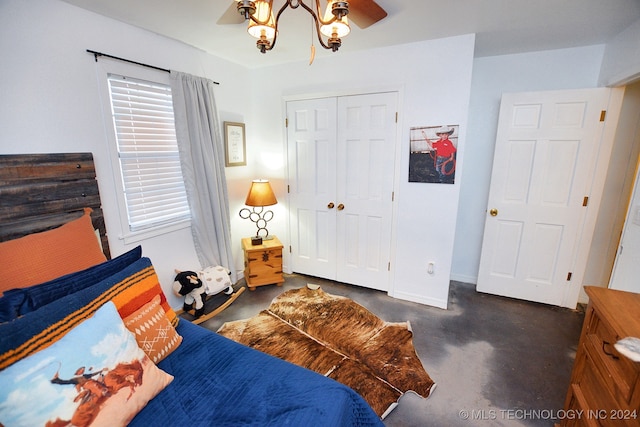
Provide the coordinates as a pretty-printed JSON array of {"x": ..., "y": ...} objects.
[{"x": 219, "y": 382}]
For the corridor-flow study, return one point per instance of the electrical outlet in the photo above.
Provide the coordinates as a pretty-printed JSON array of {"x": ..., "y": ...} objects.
[{"x": 431, "y": 267}]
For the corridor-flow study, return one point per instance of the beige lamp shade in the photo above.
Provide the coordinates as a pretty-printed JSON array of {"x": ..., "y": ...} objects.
[
  {"x": 260, "y": 194},
  {"x": 267, "y": 27}
]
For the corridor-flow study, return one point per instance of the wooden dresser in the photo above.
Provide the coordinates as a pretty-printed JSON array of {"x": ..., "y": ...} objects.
[
  {"x": 262, "y": 263},
  {"x": 605, "y": 385}
]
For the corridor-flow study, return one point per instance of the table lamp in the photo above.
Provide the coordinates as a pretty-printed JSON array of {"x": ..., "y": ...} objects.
[{"x": 260, "y": 195}]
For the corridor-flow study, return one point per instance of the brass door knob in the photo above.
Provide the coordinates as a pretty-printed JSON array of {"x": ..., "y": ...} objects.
[
  {"x": 493, "y": 212},
  {"x": 330, "y": 205},
  {"x": 340, "y": 206}
]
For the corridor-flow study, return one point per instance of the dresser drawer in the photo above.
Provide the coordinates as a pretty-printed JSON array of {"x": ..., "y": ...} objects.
[
  {"x": 603, "y": 407},
  {"x": 577, "y": 404},
  {"x": 620, "y": 374},
  {"x": 605, "y": 385}
]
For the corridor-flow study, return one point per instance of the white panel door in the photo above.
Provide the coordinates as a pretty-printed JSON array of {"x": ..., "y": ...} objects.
[
  {"x": 341, "y": 187},
  {"x": 311, "y": 151},
  {"x": 366, "y": 158},
  {"x": 546, "y": 150}
]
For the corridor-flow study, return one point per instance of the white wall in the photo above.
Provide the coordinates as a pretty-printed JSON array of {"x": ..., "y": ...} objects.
[
  {"x": 49, "y": 98},
  {"x": 626, "y": 253},
  {"x": 492, "y": 76},
  {"x": 434, "y": 80},
  {"x": 618, "y": 186},
  {"x": 49, "y": 94},
  {"x": 50, "y": 104},
  {"x": 621, "y": 63}
]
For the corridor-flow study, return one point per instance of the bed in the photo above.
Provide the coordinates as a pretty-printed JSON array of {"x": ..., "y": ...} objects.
[{"x": 96, "y": 343}]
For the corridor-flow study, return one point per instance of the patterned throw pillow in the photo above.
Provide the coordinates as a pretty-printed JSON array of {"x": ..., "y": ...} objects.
[
  {"x": 95, "y": 375},
  {"x": 153, "y": 332},
  {"x": 129, "y": 289}
]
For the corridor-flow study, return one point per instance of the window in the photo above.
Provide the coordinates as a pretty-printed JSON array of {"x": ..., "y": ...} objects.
[{"x": 148, "y": 155}]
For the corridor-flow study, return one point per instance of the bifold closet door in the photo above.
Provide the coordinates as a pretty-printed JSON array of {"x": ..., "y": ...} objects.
[{"x": 341, "y": 171}]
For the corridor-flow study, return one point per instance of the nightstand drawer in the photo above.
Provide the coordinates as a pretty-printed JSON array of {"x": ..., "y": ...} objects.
[
  {"x": 266, "y": 278},
  {"x": 266, "y": 256},
  {"x": 264, "y": 263}
]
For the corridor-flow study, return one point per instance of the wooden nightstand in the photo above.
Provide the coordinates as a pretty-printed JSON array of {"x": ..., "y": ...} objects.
[{"x": 262, "y": 263}]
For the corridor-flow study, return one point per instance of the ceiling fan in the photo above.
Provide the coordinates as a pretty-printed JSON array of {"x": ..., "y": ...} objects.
[
  {"x": 333, "y": 23},
  {"x": 363, "y": 13}
]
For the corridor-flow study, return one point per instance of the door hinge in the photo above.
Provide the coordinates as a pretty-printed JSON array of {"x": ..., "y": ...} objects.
[
  {"x": 393, "y": 196},
  {"x": 288, "y": 189},
  {"x": 286, "y": 122},
  {"x": 389, "y": 266},
  {"x": 603, "y": 114},
  {"x": 585, "y": 201},
  {"x": 289, "y": 248},
  {"x": 569, "y": 274}
]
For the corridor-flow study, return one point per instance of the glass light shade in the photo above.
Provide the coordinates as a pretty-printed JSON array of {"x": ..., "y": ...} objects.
[
  {"x": 340, "y": 27},
  {"x": 260, "y": 194},
  {"x": 263, "y": 14}
]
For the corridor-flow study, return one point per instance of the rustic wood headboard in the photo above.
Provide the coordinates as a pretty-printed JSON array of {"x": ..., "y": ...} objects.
[{"x": 39, "y": 192}]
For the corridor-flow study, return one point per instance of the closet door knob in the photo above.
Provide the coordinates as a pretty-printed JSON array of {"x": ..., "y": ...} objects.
[
  {"x": 340, "y": 206},
  {"x": 493, "y": 212},
  {"x": 330, "y": 205}
]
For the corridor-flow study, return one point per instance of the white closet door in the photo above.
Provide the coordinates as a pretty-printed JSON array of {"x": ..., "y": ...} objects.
[
  {"x": 366, "y": 156},
  {"x": 341, "y": 171},
  {"x": 311, "y": 151}
]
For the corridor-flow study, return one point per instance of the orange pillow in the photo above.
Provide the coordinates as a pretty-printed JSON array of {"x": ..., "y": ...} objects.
[
  {"x": 154, "y": 334},
  {"x": 40, "y": 257}
]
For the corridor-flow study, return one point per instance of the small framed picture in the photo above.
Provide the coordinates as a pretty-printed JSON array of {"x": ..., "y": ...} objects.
[{"x": 234, "y": 144}]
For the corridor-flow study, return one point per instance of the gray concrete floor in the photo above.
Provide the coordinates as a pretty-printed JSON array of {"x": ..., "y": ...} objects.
[{"x": 496, "y": 361}]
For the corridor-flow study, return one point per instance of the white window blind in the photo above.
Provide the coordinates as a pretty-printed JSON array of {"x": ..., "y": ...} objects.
[{"x": 148, "y": 152}]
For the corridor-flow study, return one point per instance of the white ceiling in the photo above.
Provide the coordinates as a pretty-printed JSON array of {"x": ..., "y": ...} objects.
[{"x": 502, "y": 26}]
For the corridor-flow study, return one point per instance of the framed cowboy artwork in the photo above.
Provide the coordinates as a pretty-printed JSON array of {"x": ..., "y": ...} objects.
[{"x": 432, "y": 156}]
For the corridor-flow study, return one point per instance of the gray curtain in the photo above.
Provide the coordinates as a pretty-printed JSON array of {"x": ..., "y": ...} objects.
[{"x": 202, "y": 160}]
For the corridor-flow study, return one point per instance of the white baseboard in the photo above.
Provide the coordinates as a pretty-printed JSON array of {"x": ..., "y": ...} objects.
[
  {"x": 434, "y": 302},
  {"x": 464, "y": 279}
]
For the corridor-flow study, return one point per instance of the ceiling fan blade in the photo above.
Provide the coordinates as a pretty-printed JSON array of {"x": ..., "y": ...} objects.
[
  {"x": 231, "y": 15},
  {"x": 365, "y": 12}
]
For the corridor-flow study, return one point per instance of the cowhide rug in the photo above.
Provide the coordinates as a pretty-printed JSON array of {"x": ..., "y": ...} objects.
[{"x": 338, "y": 338}]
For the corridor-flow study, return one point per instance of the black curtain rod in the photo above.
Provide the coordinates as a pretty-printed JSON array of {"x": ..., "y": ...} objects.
[{"x": 97, "y": 54}]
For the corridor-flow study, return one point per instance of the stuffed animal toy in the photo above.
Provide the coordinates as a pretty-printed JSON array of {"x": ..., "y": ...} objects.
[
  {"x": 188, "y": 285},
  {"x": 215, "y": 280}
]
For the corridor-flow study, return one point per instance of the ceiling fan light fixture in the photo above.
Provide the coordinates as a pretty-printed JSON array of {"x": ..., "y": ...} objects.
[
  {"x": 339, "y": 27},
  {"x": 246, "y": 8},
  {"x": 338, "y": 8},
  {"x": 330, "y": 24},
  {"x": 262, "y": 25}
]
